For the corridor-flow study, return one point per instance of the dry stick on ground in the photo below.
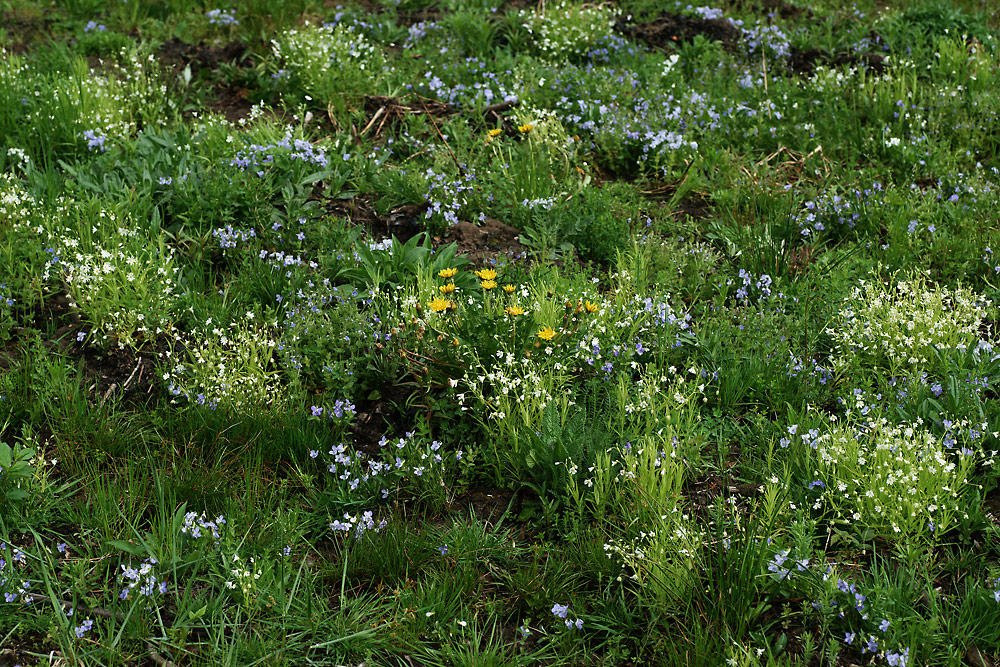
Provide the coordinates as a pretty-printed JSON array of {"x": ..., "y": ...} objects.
[
  {"x": 375, "y": 117},
  {"x": 499, "y": 106},
  {"x": 441, "y": 136}
]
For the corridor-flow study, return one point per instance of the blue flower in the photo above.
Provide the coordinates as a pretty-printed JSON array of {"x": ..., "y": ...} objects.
[{"x": 83, "y": 628}]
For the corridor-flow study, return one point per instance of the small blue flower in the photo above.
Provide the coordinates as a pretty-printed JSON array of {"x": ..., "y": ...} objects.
[{"x": 83, "y": 628}]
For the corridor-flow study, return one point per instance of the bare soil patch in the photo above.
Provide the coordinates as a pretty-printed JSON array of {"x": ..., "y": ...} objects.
[{"x": 668, "y": 29}]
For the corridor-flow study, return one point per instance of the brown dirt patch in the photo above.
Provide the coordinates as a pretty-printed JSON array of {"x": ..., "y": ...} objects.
[
  {"x": 382, "y": 112},
  {"x": 23, "y": 26},
  {"x": 233, "y": 102},
  {"x": 175, "y": 54},
  {"x": 668, "y": 29},
  {"x": 23, "y": 645},
  {"x": 805, "y": 61},
  {"x": 122, "y": 373},
  {"x": 484, "y": 243},
  {"x": 404, "y": 221},
  {"x": 487, "y": 505},
  {"x": 694, "y": 205},
  {"x": 116, "y": 373}
]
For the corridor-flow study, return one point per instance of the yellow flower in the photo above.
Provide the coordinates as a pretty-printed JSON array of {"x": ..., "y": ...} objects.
[
  {"x": 488, "y": 284},
  {"x": 438, "y": 304},
  {"x": 486, "y": 274},
  {"x": 591, "y": 307},
  {"x": 524, "y": 129},
  {"x": 448, "y": 273},
  {"x": 508, "y": 288},
  {"x": 496, "y": 132},
  {"x": 514, "y": 311},
  {"x": 447, "y": 289},
  {"x": 548, "y": 333}
]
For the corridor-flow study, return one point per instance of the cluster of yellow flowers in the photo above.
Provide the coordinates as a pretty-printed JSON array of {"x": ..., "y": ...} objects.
[
  {"x": 487, "y": 278},
  {"x": 440, "y": 304},
  {"x": 496, "y": 132},
  {"x": 488, "y": 282}
]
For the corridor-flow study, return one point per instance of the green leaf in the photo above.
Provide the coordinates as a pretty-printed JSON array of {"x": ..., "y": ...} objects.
[
  {"x": 127, "y": 547},
  {"x": 318, "y": 176}
]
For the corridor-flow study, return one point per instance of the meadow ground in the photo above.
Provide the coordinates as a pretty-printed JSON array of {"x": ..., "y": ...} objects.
[{"x": 405, "y": 332}]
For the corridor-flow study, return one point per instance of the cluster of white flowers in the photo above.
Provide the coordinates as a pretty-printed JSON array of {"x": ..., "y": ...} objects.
[
  {"x": 898, "y": 479},
  {"x": 231, "y": 364},
  {"x": 900, "y": 326},
  {"x": 17, "y": 207},
  {"x": 122, "y": 283},
  {"x": 513, "y": 380},
  {"x": 833, "y": 78},
  {"x": 662, "y": 559},
  {"x": 114, "y": 100},
  {"x": 321, "y": 56},
  {"x": 564, "y": 29},
  {"x": 244, "y": 577}
]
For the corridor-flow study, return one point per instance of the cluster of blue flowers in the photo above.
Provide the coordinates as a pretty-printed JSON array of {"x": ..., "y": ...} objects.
[
  {"x": 196, "y": 525},
  {"x": 143, "y": 579},
  {"x": 221, "y": 17},
  {"x": 96, "y": 140},
  {"x": 358, "y": 524},
  {"x": 258, "y": 157},
  {"x": 562, "y": 611},
  {"x": 229, "y": 237},
  {"x": 14, "y": 589},
  {"x": 446, "y": 198}
]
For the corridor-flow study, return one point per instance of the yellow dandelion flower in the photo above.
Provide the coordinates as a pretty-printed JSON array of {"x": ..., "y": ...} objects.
[
  {"x": 514, "y": 311},
  {"x": 486, "y": 274},
  {"x": 590, "y": 307},
  {"x": 448, "y": 273},
  {"x": 496, "y": 132},
  {"x": 508, "y": 288},
  {"x": 488, "y": 284},
  {"x": 548, "y": 333},
  {"x": 438, "y": 304},
  {"x": 524, "y": 129},
  {"x": 447, "y": 289}
]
